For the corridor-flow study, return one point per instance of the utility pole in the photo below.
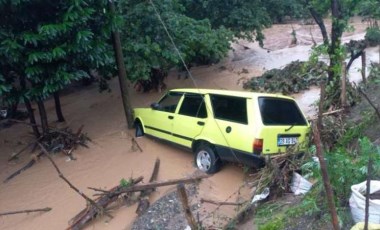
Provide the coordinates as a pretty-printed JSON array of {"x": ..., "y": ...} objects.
[{"x": 122, "y": 73}]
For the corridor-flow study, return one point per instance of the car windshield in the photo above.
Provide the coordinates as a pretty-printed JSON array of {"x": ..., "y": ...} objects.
[{"x": 278, "y": 111}]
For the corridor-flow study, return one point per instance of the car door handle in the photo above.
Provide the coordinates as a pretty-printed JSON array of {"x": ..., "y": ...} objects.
[
  {"x": 171, "y": 117},
  {"x": 201, "y": 123}
]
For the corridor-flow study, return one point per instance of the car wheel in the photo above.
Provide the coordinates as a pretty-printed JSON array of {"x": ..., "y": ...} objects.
[
  {"x": 206, "y": 159},
  {"x": 139, "y": 129}
]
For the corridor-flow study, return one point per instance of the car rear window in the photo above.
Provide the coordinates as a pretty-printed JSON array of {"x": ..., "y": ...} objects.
[
  {"x": 193, "y": 105},
  {"x": 230, "y": 108},
  {"x": 278, "y": 111}
]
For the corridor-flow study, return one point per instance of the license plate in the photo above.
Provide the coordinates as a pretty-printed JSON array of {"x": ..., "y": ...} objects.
[{"x": 287, "y": 141}]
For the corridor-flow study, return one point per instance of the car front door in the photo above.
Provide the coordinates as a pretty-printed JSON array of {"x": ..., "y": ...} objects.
[
  {"x": 190, "y": 119},
  {"x": 160, "y": 122}
]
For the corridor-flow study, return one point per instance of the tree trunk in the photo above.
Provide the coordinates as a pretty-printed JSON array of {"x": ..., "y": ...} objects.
[
  {"x": 336, "y": 35},
  {"x": 43, "y": 116},
  {"x": 122, "y": 71},
  {"x": 319, "y": 20},
  {"x": 58, "y": 109},
  {"x": 32, "y": 118},
  {"x": 30, "y": 110}
]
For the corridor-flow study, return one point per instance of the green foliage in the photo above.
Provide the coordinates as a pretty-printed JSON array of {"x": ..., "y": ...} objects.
[
  {"x": 274, "y": 224},
  {"x": 347, "y": 168},
  {"x": 51, "y": 49},
  {"x": 195, "y": 39},
  {"x": 372, "y": 36},
  {"x": 246, "y": 18},
  {"x": 369, "y": 10},
  {"x": 295, "y": 77},
  {"x": 125, "y": 183},
  {"x": 279, "y": 10}
]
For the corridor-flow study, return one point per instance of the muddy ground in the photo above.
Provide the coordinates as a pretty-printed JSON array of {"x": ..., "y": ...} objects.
[{"x": 110, "y": 157}]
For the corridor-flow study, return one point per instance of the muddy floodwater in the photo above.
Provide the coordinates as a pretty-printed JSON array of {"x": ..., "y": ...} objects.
[{"x": 110, "y": 157}]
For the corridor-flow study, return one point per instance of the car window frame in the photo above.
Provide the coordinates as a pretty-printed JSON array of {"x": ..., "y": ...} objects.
[
  {"x": 170, "y": 93},
  {"x": 203, "y": 103},
  {"x": 244, "y": 122}
]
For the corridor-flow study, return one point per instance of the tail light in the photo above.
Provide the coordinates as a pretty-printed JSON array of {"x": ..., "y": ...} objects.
[{"x": 258, "y": 146}]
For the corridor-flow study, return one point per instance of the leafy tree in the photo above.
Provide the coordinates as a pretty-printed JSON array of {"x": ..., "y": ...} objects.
[
  {"x": 278, "y": 10},
  {"x": 341, "y": 11},
  {"x": 47, "y": 45},
  {"x": 246, "y": 18},
  {"x": 147, "y": 45}
]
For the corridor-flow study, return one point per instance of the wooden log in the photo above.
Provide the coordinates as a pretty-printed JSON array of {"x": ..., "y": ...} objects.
[
  {"x": 26, "y": 211},
  {"x": 136, "y": 188},
  {"x": 220, "y": 203},
  {"x": 152, "y": 178},
  {"x": 90, "y": 213},
  {"x": 181, "y": 191}
]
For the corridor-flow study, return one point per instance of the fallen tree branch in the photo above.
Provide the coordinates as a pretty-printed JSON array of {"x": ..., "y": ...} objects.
[
  {"x": 99, "y": 208},
  {"x": 369, "y": 101},
  {"x": 90, "y": 213},
  {"x": 136, "y": 144},
  {"x": 22, "y": 150},
  {"x": 220, "y": 203},
  {"x": 143, "y": 187},
  {"x": 26, "y": 211},
  {"x": 25, "y": 167}
]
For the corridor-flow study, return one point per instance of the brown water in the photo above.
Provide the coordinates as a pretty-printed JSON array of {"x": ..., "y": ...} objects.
[{"x": 109, "y": 158}]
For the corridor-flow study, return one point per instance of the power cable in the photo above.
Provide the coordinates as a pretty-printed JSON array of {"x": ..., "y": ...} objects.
[{"x": 190, "y": 75}]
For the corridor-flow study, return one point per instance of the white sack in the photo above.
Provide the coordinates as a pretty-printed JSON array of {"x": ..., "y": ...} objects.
[
  {"x": 357, "y": 202},
  {"x": 299, "y": 184}
]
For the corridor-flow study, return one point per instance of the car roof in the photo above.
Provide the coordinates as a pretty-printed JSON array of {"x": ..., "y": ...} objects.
[{"x": 245, "y": 94}]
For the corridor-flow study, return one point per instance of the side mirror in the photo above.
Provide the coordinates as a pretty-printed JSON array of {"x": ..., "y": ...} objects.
[{"x": 155, "y": 105}]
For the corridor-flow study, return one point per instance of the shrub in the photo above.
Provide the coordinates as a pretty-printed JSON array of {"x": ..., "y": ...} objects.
[{"x": 373, "y": 36}]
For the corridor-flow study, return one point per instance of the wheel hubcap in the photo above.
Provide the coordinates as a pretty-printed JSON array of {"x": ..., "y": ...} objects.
[{"x": 203, "y": 160}]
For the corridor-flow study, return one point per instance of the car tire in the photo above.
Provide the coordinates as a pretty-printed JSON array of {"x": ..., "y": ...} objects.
[
  {"x": 139, "y": 132},
  {"x": 206, "y": 159}
]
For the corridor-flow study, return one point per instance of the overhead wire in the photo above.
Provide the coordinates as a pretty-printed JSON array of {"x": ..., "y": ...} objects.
[{"x": 190, "y": 75}]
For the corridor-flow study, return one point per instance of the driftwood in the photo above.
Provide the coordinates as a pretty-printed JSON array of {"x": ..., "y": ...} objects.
[
  {"x": 135, "y": 145},
  {"x": 25, "y": 167},
  {"x": 220, "y": 203},
  {"x": 143, "y": 202},
  {"x": 181, "y": 191},
  {"x": 26, "y": 211},
  {"x": 90, "y": 212},
  {"x": 56, "y": 140},
  {"x": 152, "y": 178},
  {"x": 106, "y": 198}
]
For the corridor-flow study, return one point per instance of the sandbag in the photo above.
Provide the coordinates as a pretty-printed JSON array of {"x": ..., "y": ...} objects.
[
  {"x": 299, "y": 184},
  {"x": 357, "y": 202}
]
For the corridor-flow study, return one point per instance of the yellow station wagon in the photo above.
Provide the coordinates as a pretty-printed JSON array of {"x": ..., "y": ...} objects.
[{"x": 223, "y": 125}]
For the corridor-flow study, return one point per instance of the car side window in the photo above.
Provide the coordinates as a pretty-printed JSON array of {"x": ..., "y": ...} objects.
[
  {"x": 169, "y": 102},
  {"x": 193, "y": 105},
  {"x": 230, "y": 108}
]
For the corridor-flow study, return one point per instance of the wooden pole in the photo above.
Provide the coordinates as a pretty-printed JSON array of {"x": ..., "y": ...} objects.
[
  {"x": 186, "y": 208},
  {"x": 344, "y": 88},
  {"x": 363, "y": 67},
  {"x": 323, "y": 166},
  {"x": 368, "y": 190}
]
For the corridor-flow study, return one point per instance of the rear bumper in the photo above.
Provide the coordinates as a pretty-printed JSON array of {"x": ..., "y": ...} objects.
[{"x": 238, "y": 156}]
